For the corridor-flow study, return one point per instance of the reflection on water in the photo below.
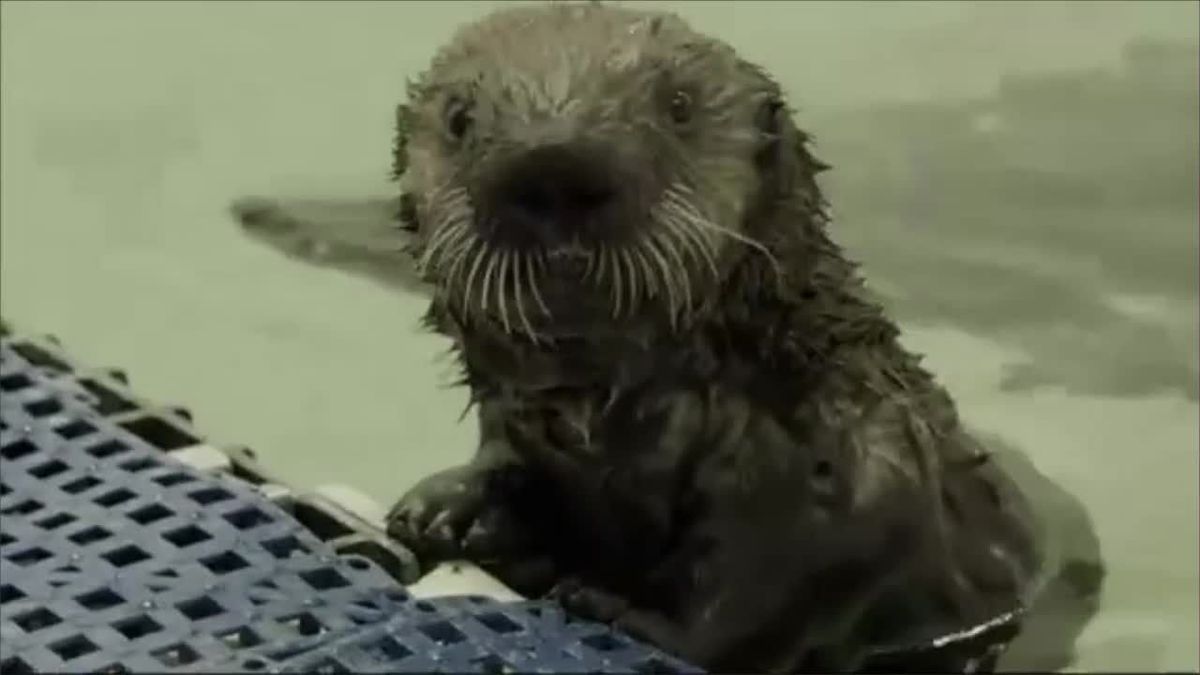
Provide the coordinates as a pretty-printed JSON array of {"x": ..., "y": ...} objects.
[
  {"x": 1070, "y": 596},
  {"x": 1019, "y": 180},
  {"x": 1059, "y": 212},
  {"x": 1057, "y": 215}
]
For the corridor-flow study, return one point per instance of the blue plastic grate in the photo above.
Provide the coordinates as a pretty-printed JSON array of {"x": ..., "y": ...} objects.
[
  {"x": 480, "y": 635},
  {"x": 116, "y": 557},
  {"x": 111, "y": 548}
]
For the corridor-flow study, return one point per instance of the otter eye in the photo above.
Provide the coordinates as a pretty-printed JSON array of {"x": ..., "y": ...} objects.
[
  {"x": 681, "y": 107},
  {"x": 458, "y": 118}
]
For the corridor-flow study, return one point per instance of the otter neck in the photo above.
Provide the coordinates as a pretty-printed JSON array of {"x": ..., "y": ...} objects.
[
  {"x": 612, "y": 361},
  {"x": 763, "y": 337}
]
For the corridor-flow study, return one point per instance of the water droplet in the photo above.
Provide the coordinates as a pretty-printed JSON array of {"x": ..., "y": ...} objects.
[
  {"x": 26, "y": 429},
  {"x": 147, "y": 604}
]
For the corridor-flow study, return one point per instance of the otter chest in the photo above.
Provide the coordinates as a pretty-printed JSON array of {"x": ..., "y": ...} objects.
[{"x": 613, "y": 465}]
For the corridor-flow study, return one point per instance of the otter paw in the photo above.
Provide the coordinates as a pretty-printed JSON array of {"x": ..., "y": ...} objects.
[
  {"x": 588, "y": 602},
  {"x": 454, "y": 513},
  {"x": 433, "y": 516}
]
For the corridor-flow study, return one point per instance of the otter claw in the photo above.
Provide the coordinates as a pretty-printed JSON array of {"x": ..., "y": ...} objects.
[
  {"x": 459, "y": 513},
  {"x": 476, "y": 534},
  {"x": 442, "y": 533},
  {"x": 404, "y": 511},
  {"x": 440, "y": 525}
]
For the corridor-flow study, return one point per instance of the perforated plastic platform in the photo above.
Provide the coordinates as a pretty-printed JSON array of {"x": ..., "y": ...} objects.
[
  {"x": 117, "y": 557},
  {"x": 479, "y": 635}
]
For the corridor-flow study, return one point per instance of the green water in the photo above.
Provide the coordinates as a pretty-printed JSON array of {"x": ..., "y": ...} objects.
[{"x": 1036, "y": 237}]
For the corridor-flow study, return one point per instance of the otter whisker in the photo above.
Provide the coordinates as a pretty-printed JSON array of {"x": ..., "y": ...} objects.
[
  {"x": 671, "y": 229},
  {"x": 478, "y": 261},
  {"x": 446, "y": 200},
  {"x": 427, "y": 254},
  {"x": 676, "y": 197},
  {"x": 673, "y": 215},
  {"x": 589, "y": 265},
  {"x": 533, "y": 284},
  {"x": 454, "y": 200},
  {"x": 461, "y": 254},
  {"x": 680, "y": 276},
  {"x": 665, "y": 276},
  {"x": 448, "y": 210},
  {"x": 465, "y": 231},
  {"x": 699, "y": 244},
  {"x": 519, "y": 295},
  {"x": 488, "y": 273},
  {"x": 501, "y": 277},
  {"x": 444, "y": 190},
  {"x": 457, "y": 256},
  {"x": 647, "y": 272},
  {"x": 748, "y": 241},
  {"x": 452, "y": 234},
  {"x": 634, "y": 296},
  {"x": 616, "y": 285},
  {"x": 445, "y": 236},
  {"x": 449, "y": 226},
  {"x": 598, "y": 271}
]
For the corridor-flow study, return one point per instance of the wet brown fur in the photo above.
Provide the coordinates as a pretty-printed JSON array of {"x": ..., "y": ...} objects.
[{"x": 776, "y": 484}]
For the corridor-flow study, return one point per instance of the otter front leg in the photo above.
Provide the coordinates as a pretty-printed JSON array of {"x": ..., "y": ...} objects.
[
  {"x": 456, "y": 513},
  {"x": 470, "y": 513},
  {"x": 480, "y": 512}
]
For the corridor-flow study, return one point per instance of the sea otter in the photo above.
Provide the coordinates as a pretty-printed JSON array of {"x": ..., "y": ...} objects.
[{"x": 695, "y": 422}]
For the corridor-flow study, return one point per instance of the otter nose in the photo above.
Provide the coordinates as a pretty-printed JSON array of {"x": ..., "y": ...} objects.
[
  {"x": 560, "y": 197},
  {"x": 558, "y": 192}
]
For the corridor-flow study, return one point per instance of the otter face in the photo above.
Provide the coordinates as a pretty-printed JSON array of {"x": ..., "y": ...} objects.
[{"x": 576, "y": 164}]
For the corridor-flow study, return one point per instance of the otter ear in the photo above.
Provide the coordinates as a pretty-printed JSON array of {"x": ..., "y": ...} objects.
[
  {"x": 788, "y": 165},
  {"x": 400, "y": 141}
]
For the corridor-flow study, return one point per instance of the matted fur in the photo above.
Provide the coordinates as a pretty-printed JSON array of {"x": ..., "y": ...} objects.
[{"x": 710, "y": 434}]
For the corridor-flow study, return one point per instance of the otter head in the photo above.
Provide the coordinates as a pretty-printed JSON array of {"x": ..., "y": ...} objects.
[{"x": 568, "y": 166}]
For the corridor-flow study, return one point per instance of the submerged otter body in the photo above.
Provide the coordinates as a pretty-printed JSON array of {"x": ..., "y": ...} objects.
[{"x": 694, "y": 421}]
